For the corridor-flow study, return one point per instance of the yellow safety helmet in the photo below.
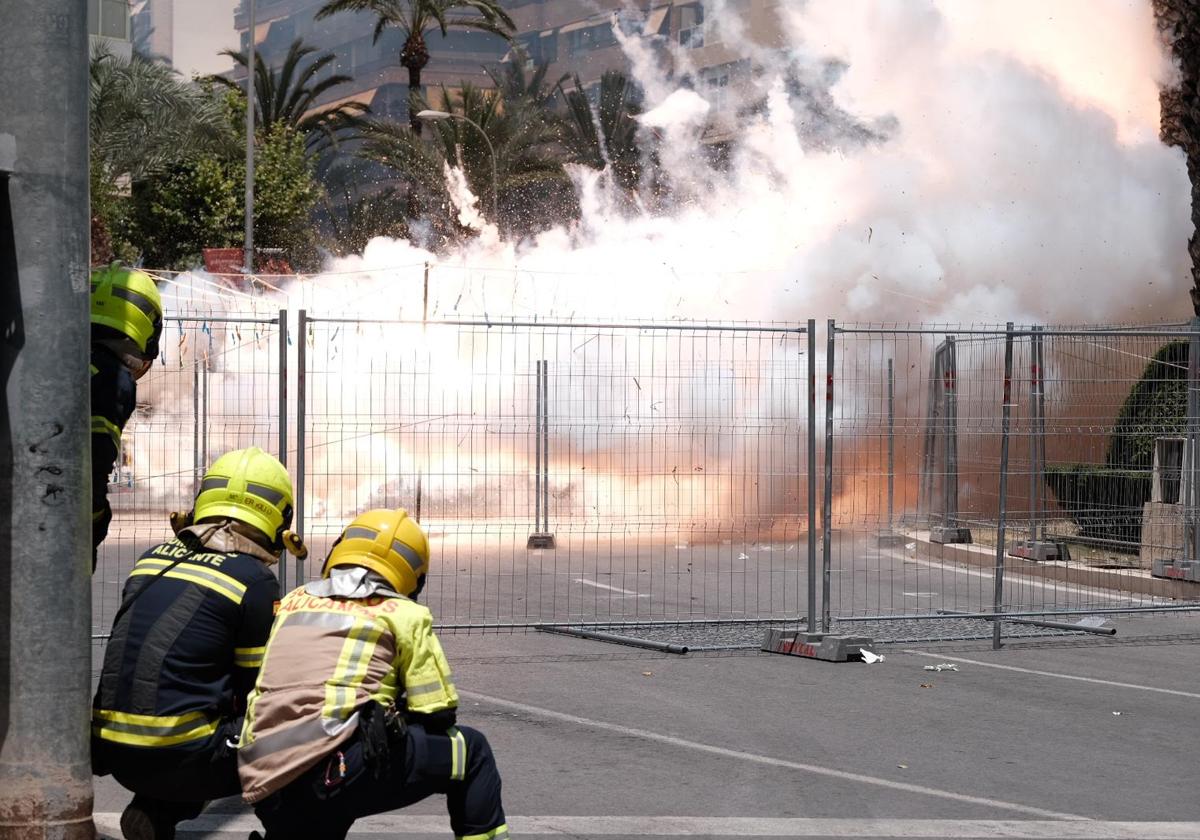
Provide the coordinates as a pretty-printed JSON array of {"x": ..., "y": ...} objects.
[
  {"x": 127, "y": 301},
  {"x": 386, "y": 541},
  {"x": 250, "y": 486}
]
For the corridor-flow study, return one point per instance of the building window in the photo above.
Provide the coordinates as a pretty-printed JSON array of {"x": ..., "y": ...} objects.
[
  {"x": 549, "y": 48},
  {"x": 109, "y": 18},
  {"x": 590, "y": 38},
  {"x": 691, "y": 26},
  {"x": 715, "y": 83},
  {"x": 718, "y": 83},
  {"x": 391, "y": 101}
]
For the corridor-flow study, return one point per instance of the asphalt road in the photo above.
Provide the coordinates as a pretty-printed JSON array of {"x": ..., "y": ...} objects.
[
  {"x": 590, "y": 733},
  {"x": 602, "y": 741}
]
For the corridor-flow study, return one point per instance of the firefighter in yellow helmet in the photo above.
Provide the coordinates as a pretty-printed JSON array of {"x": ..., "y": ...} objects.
[
  {"x": 354, "y": 711},
  {"x": 187, "y": 643},
  {"x": 126, "y": 326}
]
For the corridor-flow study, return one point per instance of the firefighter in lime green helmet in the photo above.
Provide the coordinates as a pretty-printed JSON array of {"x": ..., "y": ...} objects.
[
  {"x": 126, "y": 326},
  {"x": 354, "y": 712},
  {"x": 187, "y": 643}
]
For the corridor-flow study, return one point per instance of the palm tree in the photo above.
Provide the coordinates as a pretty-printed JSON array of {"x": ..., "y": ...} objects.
[
  {"x": 607, "y": 135},
  {"x": 415, "y": 18},
  {"x": 143, "y": 118},
  {"x": 288, "y": 95},
  {"x": 532, "y": 185},
  {"x": 517, "y": 87},
  {"x": 1179, "y": 22}
]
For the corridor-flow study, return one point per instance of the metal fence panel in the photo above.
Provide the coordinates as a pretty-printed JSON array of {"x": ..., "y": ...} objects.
[
  {"x": 667, "y": 463},
  {"x": 216, "y": 386},
  {"x": 1027, "y": 489}
]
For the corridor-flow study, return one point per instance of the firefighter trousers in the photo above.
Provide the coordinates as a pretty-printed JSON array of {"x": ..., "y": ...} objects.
[
  {"x": 173, "y": 782},
  {"x": 326, "y": 800}
]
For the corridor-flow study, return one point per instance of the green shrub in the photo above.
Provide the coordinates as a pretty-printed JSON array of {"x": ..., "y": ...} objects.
[{"x": 1106, "y": 502}]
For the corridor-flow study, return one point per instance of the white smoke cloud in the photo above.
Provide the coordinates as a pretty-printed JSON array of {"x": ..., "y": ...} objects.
[
  {"x": 939, "y": 160},
  {"x": 1020, "y": 176}
]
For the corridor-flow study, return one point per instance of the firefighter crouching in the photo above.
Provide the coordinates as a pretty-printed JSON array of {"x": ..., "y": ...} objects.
[
  {"x": 126, "y": 326},
  {"x": 187, "y": 643},
  {"x": 354, "y": 711}
]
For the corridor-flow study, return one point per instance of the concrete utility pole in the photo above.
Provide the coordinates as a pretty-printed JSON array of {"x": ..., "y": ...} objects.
[
  {"x": 45, "y": 446},
  {"x": 249, "y": 251}
]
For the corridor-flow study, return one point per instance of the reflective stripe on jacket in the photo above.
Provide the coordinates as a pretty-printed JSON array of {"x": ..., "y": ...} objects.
[
  {"x": 325, "y": 658},
  {"x": 183, "y": 656}
]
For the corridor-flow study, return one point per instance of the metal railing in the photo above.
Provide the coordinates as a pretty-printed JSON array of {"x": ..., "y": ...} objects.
[
  {"x": 662, "y": 466},
  {"x": 619, "y": 478},
  {"x": 1016, "y": 464}
]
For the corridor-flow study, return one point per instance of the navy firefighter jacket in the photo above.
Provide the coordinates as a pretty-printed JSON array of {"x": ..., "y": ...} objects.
[
  {"x": 185, "y": 651},
  {"x": 114, "y": 394}
]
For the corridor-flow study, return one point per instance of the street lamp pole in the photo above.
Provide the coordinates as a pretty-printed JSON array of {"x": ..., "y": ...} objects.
[
  {"x": 249, "y": 253},
  {"x": 440, "y": 116}
]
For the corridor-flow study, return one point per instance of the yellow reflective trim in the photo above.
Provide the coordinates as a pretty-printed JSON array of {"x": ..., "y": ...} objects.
[
  {"x": 199, "y": 733},
  {"x": 104, "y": 426},
  {"x": 94, "y": 369},
  {"x": 220, "y": 583},
  {"x": 151, "y": 730},
  {"x": 500, "y": 832},
  {"x": 249, "y": 657},
  {"x": 97, "y": 515},
  {"x": 425, "y": 688},
  {"x": 458, "y": 755},
  {"x": 147, "y": 720},
  {"x": 351, "y": 669}
]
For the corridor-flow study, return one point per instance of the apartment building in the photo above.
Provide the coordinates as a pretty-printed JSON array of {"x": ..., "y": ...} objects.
[
  {"x": 109, "y": 25},
  {"x": 577, "y": 37},
  {"x": 378, "y": 78}
]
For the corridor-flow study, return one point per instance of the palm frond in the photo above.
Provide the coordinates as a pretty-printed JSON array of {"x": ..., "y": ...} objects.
[{"x": 143, "y": 118}]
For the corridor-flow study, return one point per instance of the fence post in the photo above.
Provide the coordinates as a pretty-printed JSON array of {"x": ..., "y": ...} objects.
[
  {"x": 827, "y": 507},
  {"x": 541, "y": 536},
  {"x": 425, "y": 299},
  {"x": 945, "y": 375},
  {"x": 891, "y": 410},
  {"x": 812, "y": 475},
  {"x": 1006, "y": 415},
  {"x": 537, "y": 456},
  {"x": 1036, "y": 548},
  {"x": 546, "y": 446},
  {"x": 1193, "y": 423},
  {"x": 282, "y": 412},
  {"x": 198, "y": 464},
  {"x": 888, "y": 536},
  {"x": 204, "y": 415},
  {"x": 301, "y": 419}
]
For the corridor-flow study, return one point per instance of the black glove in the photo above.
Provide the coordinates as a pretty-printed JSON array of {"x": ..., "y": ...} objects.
[{"x": 382, "y": 730}]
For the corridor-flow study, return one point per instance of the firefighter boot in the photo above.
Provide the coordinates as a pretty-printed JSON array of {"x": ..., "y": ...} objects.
[{"x": 152, "y": 819}]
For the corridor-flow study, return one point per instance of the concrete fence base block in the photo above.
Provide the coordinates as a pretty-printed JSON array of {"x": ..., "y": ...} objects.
[
  {"x": 888, "y": 538},
  {"x": 1176, "y": 570},
  {"x": 815, "y": 645},
  {"x": 541, "y": 541},
  {"x": 945, "y": 535},
  {"x": 1039, "y": 551}
]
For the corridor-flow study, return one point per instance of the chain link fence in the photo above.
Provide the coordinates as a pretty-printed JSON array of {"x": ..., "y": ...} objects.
[
  {"x": 659, "y": 483},
  {"x": 1035, "y": 471},
  {"x": 590, "y": 475}
]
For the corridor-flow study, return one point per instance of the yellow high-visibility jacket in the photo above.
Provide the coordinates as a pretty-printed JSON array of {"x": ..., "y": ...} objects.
[{"x": 326, "y": 657}]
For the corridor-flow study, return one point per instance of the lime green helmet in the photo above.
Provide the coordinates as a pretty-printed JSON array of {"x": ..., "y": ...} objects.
[
  {"x": 249, "y": 486},
  {"x": 126, "y": 301}
]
